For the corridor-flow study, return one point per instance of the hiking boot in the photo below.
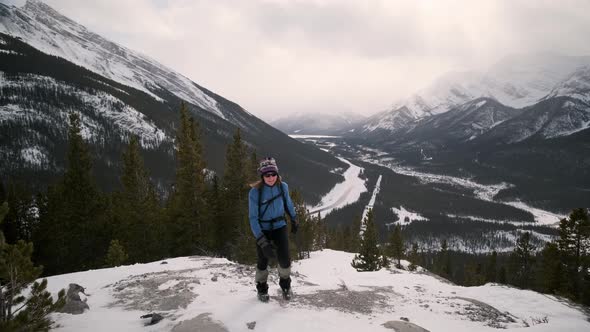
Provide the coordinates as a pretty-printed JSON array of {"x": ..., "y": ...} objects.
[
  {"x": 262, "y": 290},
  {"x": 286, "y": 288}
]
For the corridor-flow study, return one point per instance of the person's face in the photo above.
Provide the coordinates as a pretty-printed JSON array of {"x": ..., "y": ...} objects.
[{"x": 270, "y": 178}]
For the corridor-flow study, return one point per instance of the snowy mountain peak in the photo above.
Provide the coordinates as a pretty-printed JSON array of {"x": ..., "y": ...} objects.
[
  {"x": 516, "y": 81},
  {"x": 576, "y": 86},
  {"x": 44, "y": 28}
]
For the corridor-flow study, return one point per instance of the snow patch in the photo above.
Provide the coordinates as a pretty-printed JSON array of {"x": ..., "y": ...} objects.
[
  {"x": 542, "y": 217},
  {"x": 10, "y": 52},
  {"x": 405, "y": 217},
  {"x": 34, "y": 155},
  {"x": 481, "y": 103},
  {"x": 343, "y": 193}
]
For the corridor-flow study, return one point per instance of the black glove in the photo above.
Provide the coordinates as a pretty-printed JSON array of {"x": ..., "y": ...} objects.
[
  {"x": 266, "y": 247},
  {"x": 294, "y": 226}
]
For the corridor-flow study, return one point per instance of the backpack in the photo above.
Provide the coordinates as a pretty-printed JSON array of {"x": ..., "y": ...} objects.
[{"x": 267, "y": 202}]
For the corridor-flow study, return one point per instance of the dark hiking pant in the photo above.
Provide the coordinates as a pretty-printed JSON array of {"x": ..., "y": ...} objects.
[{"x": 280, "y": 239}]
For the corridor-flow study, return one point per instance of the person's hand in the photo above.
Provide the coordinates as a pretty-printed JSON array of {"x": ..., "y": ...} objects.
[
  {"x": 266, "y": 247},
  {"x": 294, "y": 226}
]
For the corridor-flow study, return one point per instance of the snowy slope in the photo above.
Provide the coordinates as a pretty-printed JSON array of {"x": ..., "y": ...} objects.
[
  {"x": 515, "y": 81},
  {"x": 213, "y": 294},
  {"x": 47, "y": 30},
  {"x": 343, "y": 193}
]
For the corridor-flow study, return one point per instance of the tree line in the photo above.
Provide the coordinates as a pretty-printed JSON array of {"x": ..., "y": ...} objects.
[
  {"x": 74, "y": 226},
  {"x": 560, "y": 267}
]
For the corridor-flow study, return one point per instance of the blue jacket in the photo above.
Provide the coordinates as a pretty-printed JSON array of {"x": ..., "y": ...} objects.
[{"x": 275, "y": 208}]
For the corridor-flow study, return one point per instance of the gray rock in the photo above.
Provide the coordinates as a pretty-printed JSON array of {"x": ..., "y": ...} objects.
[
  {"x": 74, "y": 304},
  {"x": 214, "y": 278},
  {"x": 401, "y": 326},
  {"x": 251, "y": 325},
  {"x": 202, "y": 323},
  {"x": 154, "y": 318}
]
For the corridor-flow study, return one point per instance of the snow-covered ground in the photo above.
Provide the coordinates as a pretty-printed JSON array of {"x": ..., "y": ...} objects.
[
  {"x": 343, "y": 193},
  {"x": 402, "y": 214},
  {"x": 213, "y": 294}
]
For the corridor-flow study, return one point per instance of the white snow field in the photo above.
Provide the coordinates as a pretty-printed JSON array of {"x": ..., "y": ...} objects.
[
  {"x": 343, "y": 193},
  {"x": 214, "y": 294}
]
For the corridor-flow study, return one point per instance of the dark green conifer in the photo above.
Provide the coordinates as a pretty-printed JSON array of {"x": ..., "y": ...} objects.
[
  {"x": 522, "y": 261},
  {"x": 574, "y": 246},
  {"x": 137, "y": 212},
  {"x": 73, "y": 232},
  {"x": 491, "y": 267},
  {"x": 187, "y": 210},
  {"x": 414, "y": 257},
  {"x": 116, "y": 255},
  {"x": 235, "y": 200},
  {"x": 396, "y": 246},
  {"x": 369, "y": 256},
  {"x": 550, "y": 277},
  {"x": 19, "y": 312},
  {"x": 442, "y": 265}
]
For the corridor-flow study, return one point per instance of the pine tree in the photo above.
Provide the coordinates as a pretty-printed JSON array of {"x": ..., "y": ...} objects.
[
  {"x": 550, "y": 276},
  {"x": 304, "y": 240},
  {"x": 473, "y": 274},
  {"x": 321, "y": 235},
  {"x": 369, "y": 256},
  {"x": 522, "y": 261},
  {"x": 19, "y": 222},
  {"x": 502, "y": 278},
  {"x": 17, "y": 311},
  {"x": 187, "y": 211},
  {"x": 137, "y": 210},
  {"x": 443, "y": 262},
  {"x": 574, "y": 246},
  {"x": 414, "y": 257},
  {"x": 235, "y": 200},
  {"x": 353, "y": 240},
  {"x": 2, "y": 191},
  {"x": 396, "y": 246},
  {"x": 116, "y": 254},
  {"x": 73, "y": 232},
  {"x": 491, "y": 267}
]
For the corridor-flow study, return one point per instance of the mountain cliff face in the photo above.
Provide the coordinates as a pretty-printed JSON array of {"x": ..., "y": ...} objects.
[{"x": 50, "y": 66}]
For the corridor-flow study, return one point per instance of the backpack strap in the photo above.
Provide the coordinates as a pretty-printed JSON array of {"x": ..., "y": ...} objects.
[{"x": 267, "y": 202}]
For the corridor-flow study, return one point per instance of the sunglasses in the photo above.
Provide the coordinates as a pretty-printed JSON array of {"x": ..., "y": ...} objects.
[{"x": 268, "y": 175}]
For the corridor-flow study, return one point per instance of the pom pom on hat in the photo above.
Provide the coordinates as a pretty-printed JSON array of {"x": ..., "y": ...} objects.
[{"x": 268, "y": 165}]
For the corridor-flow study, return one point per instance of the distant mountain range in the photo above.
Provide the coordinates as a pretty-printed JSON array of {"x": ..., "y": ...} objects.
[
  {"x": 317, "y": 123},
  {"x": 536, "y": 137},
  {"x": 525, "y": 121},
  {"x": 516, "y": 81},
  {"x": 51, "y": 65}
]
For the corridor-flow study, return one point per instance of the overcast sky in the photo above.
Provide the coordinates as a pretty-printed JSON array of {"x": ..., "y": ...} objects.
[{"x": 276, "y": 56}]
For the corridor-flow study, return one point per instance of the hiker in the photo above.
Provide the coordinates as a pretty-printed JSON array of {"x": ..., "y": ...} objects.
[{"x": 269, "y": 200}]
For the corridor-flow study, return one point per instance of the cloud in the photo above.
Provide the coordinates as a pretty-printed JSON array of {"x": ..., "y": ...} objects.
[{"x": 275, "y": 56}]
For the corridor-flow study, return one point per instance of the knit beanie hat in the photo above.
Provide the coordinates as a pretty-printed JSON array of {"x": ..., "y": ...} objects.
[{"x": 268, "y": 165}]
